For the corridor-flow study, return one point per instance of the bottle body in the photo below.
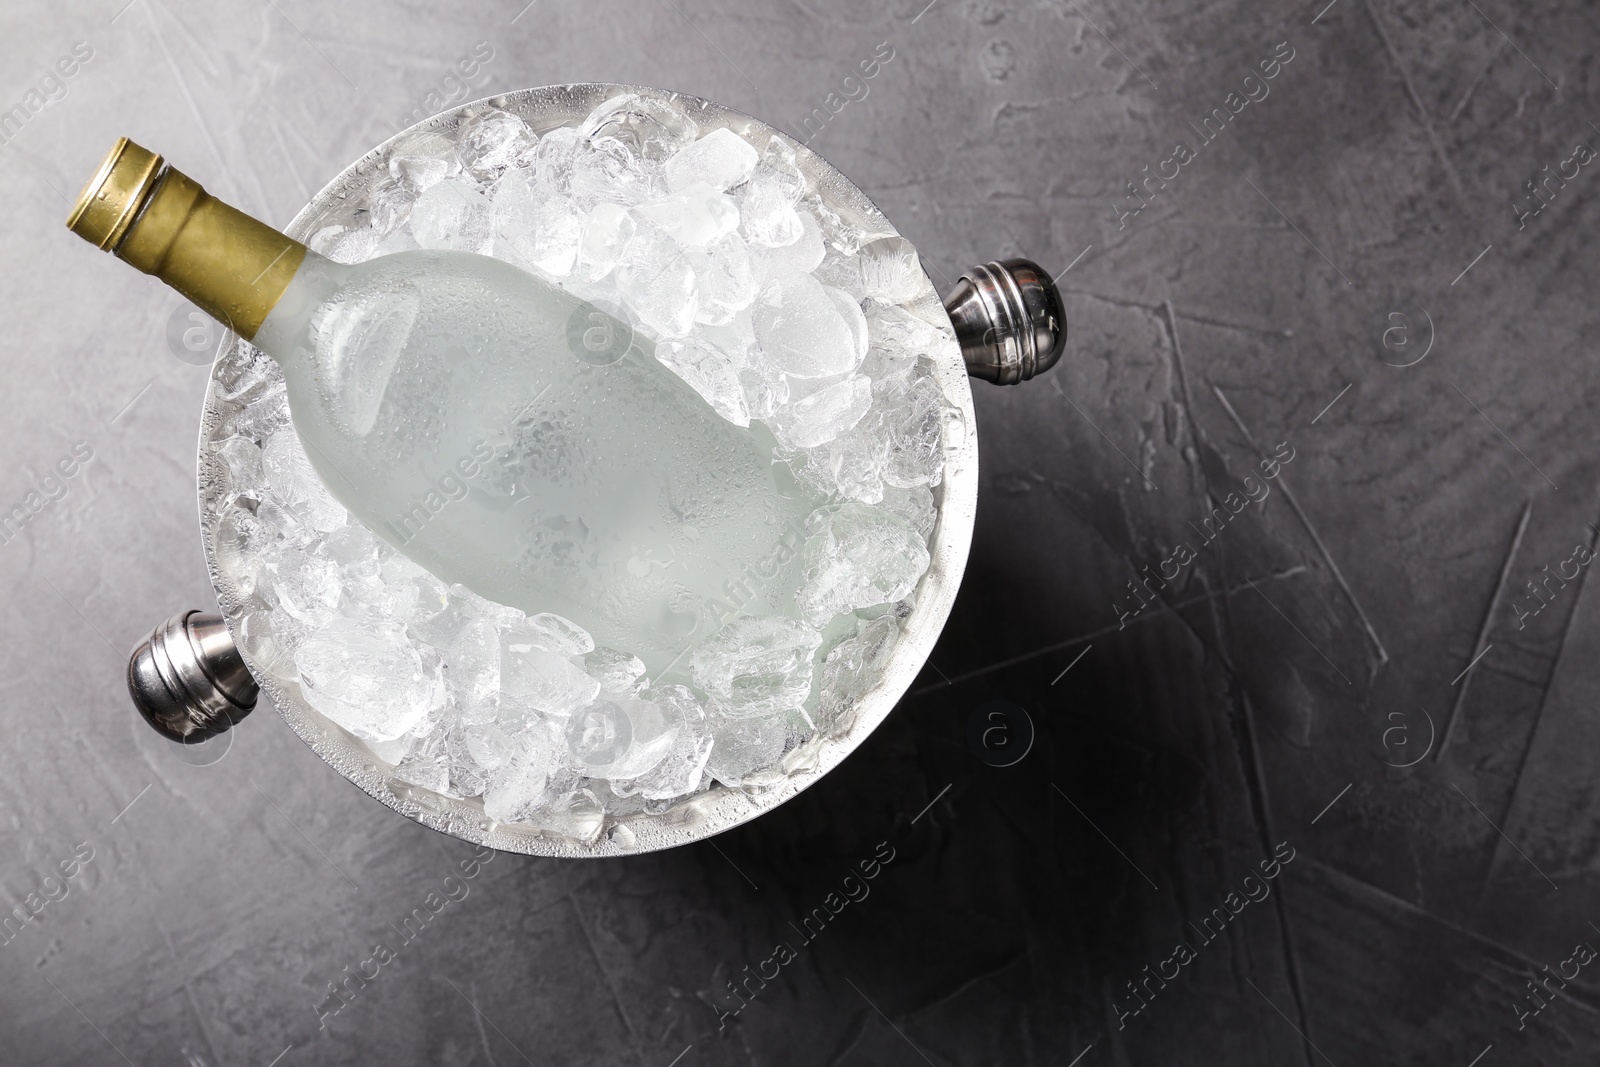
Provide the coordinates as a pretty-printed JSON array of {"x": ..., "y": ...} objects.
[{"x": 508, "y": 436}]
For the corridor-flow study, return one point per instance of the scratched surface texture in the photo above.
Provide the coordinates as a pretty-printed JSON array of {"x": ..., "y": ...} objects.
[{"x": 1371, "y": 676}]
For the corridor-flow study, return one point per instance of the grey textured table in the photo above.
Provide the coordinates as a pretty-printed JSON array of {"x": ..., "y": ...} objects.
[{"x": 1349, "y": 671}]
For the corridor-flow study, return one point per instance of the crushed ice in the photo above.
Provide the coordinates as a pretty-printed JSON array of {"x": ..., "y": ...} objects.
[{"x": 767, "y": 304}]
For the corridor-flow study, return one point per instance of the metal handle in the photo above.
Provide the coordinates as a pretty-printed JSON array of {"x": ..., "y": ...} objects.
[
  {"x": 1009, "y": 320},
  {"x": 188, "y": 680}
]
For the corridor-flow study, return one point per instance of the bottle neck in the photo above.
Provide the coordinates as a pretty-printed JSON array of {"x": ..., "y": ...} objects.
[{"x": 232, "y": 266}]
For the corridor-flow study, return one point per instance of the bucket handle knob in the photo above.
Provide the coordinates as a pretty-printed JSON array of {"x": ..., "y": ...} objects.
[
  {"x": 188, "y": 680},
  {"x": 1008, "y": 317}
]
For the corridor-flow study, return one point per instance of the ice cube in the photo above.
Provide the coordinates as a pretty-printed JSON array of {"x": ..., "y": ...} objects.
[
  {"x": 518, "y": 788},
  {"x": 354, "y": 246},
  {"x": 534, "y": 229},
  {"x": 239, "y": 540},
  {"x": 352, "y": 547},
  {"x": 757, "y": 665},
  {"x": 548, "y": 632},
  {"x": 572, "y": 812},
  {"x": 566, "y": 790},
  {"x": 696, "y": 215},
  {"x": 711, "y": 372},
  {"x": 263, "y": 413},
  {"x": 765, "y": 387},
  {"x": 721, "y": 158},
  {"x": 452, "y": 214},
  {"x": 552, "y": 160},
  {"x": 472, "y": 606},
  {"x": 241, "y": 460},
  {"x": 393, "y": 752},
  {"x": 598, "y": 736},
  {"x": 920, "y": 410},
  {"x": 890, "y": 270},
  {"x": 296, "y": 485},
  {"x": 424, "y": 161},
  {"x": 765, "y": 390},
  {"x": 358, "y": 557},
  {"x": 813, "y": 472},
  {"x": 803, "y": 330},
  {"x": 614, "y": 805},
  {"x": 606, "y": 233},
  {"x": 605, "y": 169},
  {"x": 307, "y": 586},
  {"x": 767, "y": 200},
  {"x": 859, "y": 456},
  {"x": 857, "y": 556},
  {"x": 854, "y": 319},
  {"x": 515, "y": 797},
  {"x": 490, "y": 746},
  {"x": 824, "y": 415},
  {"x": 727, "y": 280},
  {"x": 848, "y": 234},
  {"x": 544, "y": 680},
  {"x": 389, "y": 205},
  {"x": 741, "y": 747},
  {"x": 324, "y": 237},
  {"x": 857, "y": 664},
  {"x": 289, "y": 634},
  {"x": 261, "y": 645},
  {"x": 737, "y": 336},
  {"x": 488, "y": 142},
  {"x": 654, "y": 734},
  {"x": 361, "y": 578},
  {"x": 243, "y": 373},
  {"x": 849, "y": 466},
  {"x": 427, "y": 764},
  {"x": 800, "y": 256},
  {"x": 616, "y": 671},
  {"x": 913, "y": 505},
  {"x": 345, "y": 245},
  {"x": 841, "y": 272},
  {"x": 367, "y": 678},
  {"x": 887, "y": 365},
  {"x": 858, "y": 468},
  {"x": 894, "y": 327},
  {"x": 286, "y": 530},
  {"x": 779, "y": 165},
  {"x": 411, "y": 594},
  {"x": 656, "y": 279},
  {"x": 472, "y": 671},
  {"x": 514, "y": 205},
  {"x": 679, "y": 770},
  {"x": 651, "y": 129},
  {"x": 767, "y": 215},
  {"x": 468, "y": 778}
]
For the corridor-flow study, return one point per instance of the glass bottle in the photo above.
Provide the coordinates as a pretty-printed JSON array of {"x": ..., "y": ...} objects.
[{"x": 501, "y": 432}]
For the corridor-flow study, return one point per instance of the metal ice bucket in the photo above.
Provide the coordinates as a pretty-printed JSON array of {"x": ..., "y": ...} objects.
[{"x": 191, "y": 682}]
